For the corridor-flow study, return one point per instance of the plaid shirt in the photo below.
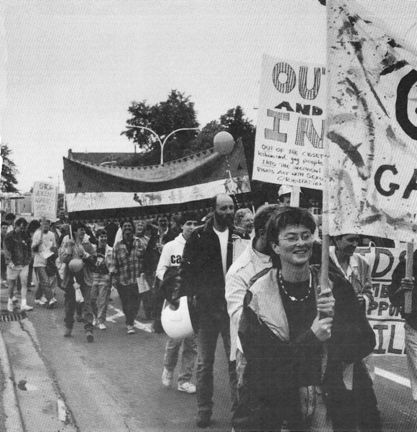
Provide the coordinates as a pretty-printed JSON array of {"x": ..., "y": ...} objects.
[{"x": 127, "y": 267}]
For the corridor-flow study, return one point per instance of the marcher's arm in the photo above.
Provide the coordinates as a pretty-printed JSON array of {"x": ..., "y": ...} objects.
[
  {"x": 66, "y": 252},
  {"x": 395, "y": 290},
  {"x": 7, "y": 249},
  {"x": 189, "y": 265},
  {"x": 163, "y": 263}
]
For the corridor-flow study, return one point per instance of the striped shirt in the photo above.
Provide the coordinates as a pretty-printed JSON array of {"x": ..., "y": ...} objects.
[{"x": 128, "y": 267}]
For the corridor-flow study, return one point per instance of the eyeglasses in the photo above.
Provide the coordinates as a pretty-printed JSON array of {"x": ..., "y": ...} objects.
[{"x": 293, "y": 238}]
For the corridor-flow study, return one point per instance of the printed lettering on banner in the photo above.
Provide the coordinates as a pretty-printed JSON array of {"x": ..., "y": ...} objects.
[
  {"x": 384, "y": 318},
  {"x": 290, "y": 126},
  {"x": 372, "y": 127},
  {"x": 45, "y": 200}
]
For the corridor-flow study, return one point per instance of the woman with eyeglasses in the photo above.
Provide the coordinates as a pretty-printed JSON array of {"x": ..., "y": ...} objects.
[{"x": 295, "y": 335}]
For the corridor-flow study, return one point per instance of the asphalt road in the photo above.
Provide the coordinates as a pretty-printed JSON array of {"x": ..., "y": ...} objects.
[{"x": 115, "y": 383}]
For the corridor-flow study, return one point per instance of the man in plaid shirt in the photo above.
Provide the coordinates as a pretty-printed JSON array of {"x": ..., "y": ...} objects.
[{"x": 127, "y": 266}]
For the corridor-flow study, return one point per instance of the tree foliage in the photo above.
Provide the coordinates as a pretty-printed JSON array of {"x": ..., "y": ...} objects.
[
  {"x": 8, "y": 170},
  {"x": 164, "y": 117}
]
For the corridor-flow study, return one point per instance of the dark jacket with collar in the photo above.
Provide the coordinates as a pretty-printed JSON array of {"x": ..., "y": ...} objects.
[{"x": 201, "y": 270}]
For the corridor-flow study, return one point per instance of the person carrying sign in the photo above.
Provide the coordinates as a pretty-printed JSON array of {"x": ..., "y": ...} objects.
[
  {"x": 358, "y": 393},
  {"x": 286, "y": 322},
  {"x": 401, "y": 285}
]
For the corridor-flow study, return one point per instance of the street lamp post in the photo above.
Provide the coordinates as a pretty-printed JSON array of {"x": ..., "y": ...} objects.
[{"x": 161, "y": 143}]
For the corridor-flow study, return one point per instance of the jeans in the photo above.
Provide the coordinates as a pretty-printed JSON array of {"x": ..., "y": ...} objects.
[
  {"x": 46, "y": 284},
  {"x": 70, "y": 305},
  {"x": 210, "y": 326},
  {"x": 411, "y": 352},
  {"x": 189, "y": 353},
  {"x": 100, "y": 292},
  {"x": 129, "y": 296}
]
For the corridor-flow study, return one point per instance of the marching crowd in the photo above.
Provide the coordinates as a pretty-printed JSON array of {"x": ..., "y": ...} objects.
[{"x": 299, "y": 353}]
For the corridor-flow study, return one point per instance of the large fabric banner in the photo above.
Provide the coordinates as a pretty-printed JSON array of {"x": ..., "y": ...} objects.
[
  {"x": 372, "y": 127},
  {"x": 290, "y": 126}
]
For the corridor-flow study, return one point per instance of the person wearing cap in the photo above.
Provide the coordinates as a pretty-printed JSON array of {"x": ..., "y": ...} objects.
[
  {"x": 79, "y": 256},
  {"x": 284, "y": 195},
  {"x": 286, "y": 319},
  {"x": 171, "y": 257},
  {"x": 43, "y": 246},
  {"x": 101, "y": 282},
  {"x": 253, "y": 260}
]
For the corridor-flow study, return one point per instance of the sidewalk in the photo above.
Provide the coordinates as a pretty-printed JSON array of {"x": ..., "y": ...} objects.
[{"x": 31, "y": 399}]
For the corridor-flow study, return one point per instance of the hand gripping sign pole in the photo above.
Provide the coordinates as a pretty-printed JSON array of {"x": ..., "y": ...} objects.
[{"x": 409, "y": 275}]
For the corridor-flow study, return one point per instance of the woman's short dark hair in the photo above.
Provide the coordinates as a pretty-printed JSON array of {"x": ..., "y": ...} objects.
[
  {"x": 76, "y": 225},
  {"x": 287, "y": 216}
]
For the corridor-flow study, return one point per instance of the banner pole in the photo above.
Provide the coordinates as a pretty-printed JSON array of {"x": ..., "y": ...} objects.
[
  {"x": 324, "y": 274},
  {"x": 409, "y": 275}
]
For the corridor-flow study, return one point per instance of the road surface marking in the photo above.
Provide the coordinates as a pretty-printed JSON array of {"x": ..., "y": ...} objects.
[
  {"x": 393, "y": 377},
  {"x": 140, "y": 326}
]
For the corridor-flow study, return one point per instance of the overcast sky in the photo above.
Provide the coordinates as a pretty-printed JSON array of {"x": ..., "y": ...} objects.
[{"x": 70, "y": 69}]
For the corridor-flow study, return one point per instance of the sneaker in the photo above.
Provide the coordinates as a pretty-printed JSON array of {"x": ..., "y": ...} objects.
[
  {"x": 44, "y": 299},
  {"x": 90, "y": 337},
  {"x": 95, "y": 322},
  {"x": 40, "y": 302},
  {"x": 102, "y": 326},
  {"x": 52, "y": 303},
  {"x": 203, "y": 419},
  {"x": 10, "y": 305},
  {"x": 15, "y": 299},
  {"x": 130, "y": 329},
  {"x": 26, "y": 307},
  {"x": 187, "y": 387},
  {"x": 167, "y": 378},
  {"x": 68, "y": 332}
]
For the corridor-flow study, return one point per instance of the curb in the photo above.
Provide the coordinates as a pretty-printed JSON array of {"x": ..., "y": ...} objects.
[
  {"x": 37, "y": 398},
  {"x": 13, "y": 420}
]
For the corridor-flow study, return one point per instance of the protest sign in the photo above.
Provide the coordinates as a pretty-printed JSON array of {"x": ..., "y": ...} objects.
[
  {"x": 290, "y": 126},
  {"x": 384, "y": 318},
  {"x": 45, "y": 200},
  {"x": 372, "y": 127}
]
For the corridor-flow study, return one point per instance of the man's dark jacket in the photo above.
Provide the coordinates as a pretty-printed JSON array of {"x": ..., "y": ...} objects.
[{"x": 201, "y": 271}]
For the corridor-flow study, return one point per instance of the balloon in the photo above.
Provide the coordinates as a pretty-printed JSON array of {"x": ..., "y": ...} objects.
[
  {"x": 223, "y": 143},
  {"x": 76, "y": 265}
]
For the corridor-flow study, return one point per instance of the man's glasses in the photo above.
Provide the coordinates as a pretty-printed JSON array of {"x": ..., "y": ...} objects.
[{"x": 293, "y": 238}]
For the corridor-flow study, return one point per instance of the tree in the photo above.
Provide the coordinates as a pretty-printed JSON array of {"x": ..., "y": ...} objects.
[
  {"x": 8, "y": 170},
  {"x": 240, "y": 126},
  {"x": 163, "y": 118}
]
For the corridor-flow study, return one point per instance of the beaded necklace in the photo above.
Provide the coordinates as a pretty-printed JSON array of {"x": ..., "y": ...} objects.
[{"x": 292, "y": 298}]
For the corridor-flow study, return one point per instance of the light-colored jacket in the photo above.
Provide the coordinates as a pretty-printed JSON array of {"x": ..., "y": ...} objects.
[
  {"x": 238, "y": 278},
  {"x": 171, "y": 255}
]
